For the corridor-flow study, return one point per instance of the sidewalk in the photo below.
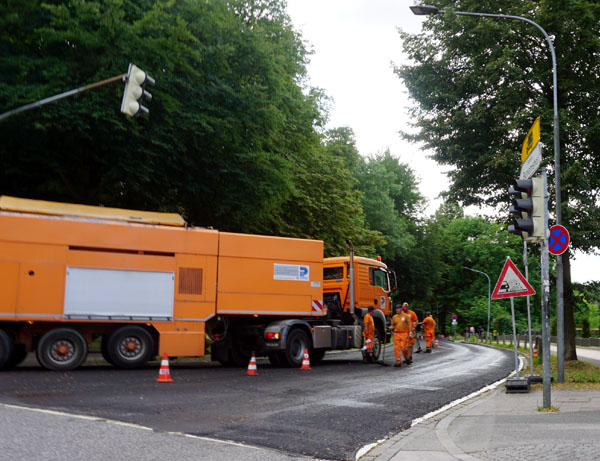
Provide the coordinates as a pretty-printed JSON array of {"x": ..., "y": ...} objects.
[{"x": 499, "y": 426}]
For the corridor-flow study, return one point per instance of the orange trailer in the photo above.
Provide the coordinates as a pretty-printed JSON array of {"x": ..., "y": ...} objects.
[{"x": 148, "y": 284}]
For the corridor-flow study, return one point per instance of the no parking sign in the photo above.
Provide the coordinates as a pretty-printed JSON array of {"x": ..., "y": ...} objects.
[{"x": 559, "y": 239}]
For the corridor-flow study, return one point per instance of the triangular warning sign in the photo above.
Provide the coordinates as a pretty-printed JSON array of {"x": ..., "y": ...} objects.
[{"x": 511, "y": 283}]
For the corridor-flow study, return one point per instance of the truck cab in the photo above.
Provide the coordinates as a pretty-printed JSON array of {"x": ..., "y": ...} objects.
[{"x": 373, "y": 286}]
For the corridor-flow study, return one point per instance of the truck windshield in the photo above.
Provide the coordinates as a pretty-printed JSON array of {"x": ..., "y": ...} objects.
[{"x": 333, "y": 273}]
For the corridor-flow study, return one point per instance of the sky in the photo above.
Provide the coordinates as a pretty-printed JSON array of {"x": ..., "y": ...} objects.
[{"x": 355, "y": 44}]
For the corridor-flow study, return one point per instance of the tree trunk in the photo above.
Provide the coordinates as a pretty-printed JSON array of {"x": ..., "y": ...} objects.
[{"x": 569, "y": 310}]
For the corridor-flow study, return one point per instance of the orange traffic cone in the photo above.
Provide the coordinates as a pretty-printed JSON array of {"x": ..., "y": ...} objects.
[
  {"x": 164, "y": 375},
  {"x": 252, "y": 371},
  {"x": 435, "y": 344},
  {"x": 535, "y": 355},
  {"x": 305, "y": 361}
]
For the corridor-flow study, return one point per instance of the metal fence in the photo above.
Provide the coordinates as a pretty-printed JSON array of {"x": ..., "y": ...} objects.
[{"x": 524, "y": 339}]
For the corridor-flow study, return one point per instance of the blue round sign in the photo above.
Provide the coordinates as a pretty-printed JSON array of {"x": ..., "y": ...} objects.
[{"x": 559, "y": 239}]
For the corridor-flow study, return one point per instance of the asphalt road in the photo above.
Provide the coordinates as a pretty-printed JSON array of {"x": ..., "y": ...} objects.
[{"x": 328, "y": 412}]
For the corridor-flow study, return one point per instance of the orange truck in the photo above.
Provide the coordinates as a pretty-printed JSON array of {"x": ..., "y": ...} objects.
[{"x": 148, "y": 284}]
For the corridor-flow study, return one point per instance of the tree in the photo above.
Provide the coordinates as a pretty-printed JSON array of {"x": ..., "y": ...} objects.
[
  {"x": 231, "y": 130},
  {"x": 480, "y": 244},
  {"x": 480, "y": 83}
]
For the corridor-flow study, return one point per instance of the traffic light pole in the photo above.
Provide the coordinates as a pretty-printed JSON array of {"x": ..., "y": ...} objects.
[
  {"x": 528, "y": 308},
  {"x": 546, "y": 376},
  {"x": 60, "y": 96}
]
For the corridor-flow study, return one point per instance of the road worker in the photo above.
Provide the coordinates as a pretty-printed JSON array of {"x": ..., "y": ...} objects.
[
  {"x": 369, "y": 335},
  {"x": 401, "y": 326},
  {"x": 414, "y": 321},
  {"x": 429, "y": 329}
]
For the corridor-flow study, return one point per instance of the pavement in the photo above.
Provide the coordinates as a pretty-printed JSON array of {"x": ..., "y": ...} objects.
[{"x": 493, "y": 425}]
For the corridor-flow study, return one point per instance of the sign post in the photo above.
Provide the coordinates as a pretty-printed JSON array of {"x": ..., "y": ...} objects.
[
  {"x": 532, "y": 378},
  {"x": 511, "y": 284}
]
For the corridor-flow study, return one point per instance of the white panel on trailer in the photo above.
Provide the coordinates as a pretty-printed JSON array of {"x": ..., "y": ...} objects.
[{"x": 110, "y": 292}]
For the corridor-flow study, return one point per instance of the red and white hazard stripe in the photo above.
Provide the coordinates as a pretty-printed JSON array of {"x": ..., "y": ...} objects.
[{"x": 317, "y": 305}]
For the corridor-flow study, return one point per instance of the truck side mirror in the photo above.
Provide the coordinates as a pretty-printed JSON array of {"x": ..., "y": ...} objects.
[{"x": 393, "y": 281}]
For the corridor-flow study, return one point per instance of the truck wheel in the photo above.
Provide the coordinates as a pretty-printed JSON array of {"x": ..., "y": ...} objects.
[
  {"x": 275, "y": 358},
  {"x": 62, "y": 349},
  {"x": 7, "y": 346},
  {"x": 316, "y": 355},
  {"x": 377, "y": 345},
  {"x": 297, "y": 342},
  {"x": 239, "y": 356},
  {"x": 130, "y": 347},
  {"x": 104, "y": 349},
  {"x": 19, "y": 354}
]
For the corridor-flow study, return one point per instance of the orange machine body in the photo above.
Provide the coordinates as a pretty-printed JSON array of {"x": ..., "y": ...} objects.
[{"x": 92, "y": 270}]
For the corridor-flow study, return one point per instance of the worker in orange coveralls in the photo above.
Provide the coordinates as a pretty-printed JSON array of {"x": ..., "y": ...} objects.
[
  {"x": 369, "y": 335},
  {"x": 414, "y": 321},
  {"x": 429, "y": 329},
  {"x": 401, "y": 326}
]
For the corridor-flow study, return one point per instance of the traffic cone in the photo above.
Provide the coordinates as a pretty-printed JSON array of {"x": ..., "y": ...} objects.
[
  {"x": 252, "y": 371},
  {"x": 305, "y": 361},
  {"x": 535, "y": 355},
  {"x": 435, "y": 344},
  {"x": 164, "y": 375}
]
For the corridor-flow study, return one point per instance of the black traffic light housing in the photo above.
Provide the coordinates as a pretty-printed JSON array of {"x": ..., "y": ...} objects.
[
  {"x": 135, "y": 92},
  {"x": 528, "y": 207}
]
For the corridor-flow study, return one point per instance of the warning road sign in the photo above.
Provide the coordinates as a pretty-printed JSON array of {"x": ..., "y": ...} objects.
[{"x": 511, "y": 283}]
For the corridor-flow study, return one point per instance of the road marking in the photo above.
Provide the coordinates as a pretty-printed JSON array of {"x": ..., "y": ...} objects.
[{"x": 121, "y": 423}]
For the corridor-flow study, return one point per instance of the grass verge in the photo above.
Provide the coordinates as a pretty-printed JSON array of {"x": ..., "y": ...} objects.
[{"x": 578, "y": 374}]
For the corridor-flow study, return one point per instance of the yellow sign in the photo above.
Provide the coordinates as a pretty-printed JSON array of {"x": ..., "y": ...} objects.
[{"x": 531, "y": 140}]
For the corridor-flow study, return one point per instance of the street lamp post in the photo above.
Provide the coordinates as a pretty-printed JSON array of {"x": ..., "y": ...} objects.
[
  {"x": 489, "y": 298},
  {"x": 429, "y": 10}
]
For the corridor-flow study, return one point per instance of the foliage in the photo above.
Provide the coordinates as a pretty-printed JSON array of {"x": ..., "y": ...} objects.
[
  {"x": 479, "y": 83},
  {"x": 587, "y": 301},
  {"x": 230, "y": 129},
  {"x": 585, "y": 327}
]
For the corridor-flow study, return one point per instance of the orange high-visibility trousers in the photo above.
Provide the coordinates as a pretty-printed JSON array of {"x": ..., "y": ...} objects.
[
  {"x": 368, "y": 343},
  {"x": 400, "y": 345},
  {"x": 429, "y": 338}
]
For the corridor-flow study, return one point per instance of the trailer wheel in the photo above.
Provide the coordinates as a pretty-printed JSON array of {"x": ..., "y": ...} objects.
[
  {"x": 130, "y": 347},
  {"x": 62, "y": 349},
  {"x": 7, "y": 346},
  {"x": 239, "y": 356},
  {"x": 19, "y": 354},
  {"x": 316, "y": 355},
  {"x": 297, "y": 341},
  {"x": 275, "y": 358},
  {"x": 104, "y": 349}
]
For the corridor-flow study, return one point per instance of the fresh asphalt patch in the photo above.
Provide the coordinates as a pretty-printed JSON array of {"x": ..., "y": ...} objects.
[{"x": 328, "y": 412}]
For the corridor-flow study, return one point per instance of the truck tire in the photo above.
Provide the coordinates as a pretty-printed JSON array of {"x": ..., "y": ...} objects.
[
  {"x": 104, "y": 349},
  {"x": 61, "y": 349},
  {"x": 297, "y": 341},
  {"x": 7, "y": 346},
  {"x": 377, "y": 345},
  {"x": 316, "y": 355},
  {"x": 19, "y": 354},
  {"x": 130, "y": 347},
  {"x": 239, "y": 356},
  {"x": 275, "y": 358}
]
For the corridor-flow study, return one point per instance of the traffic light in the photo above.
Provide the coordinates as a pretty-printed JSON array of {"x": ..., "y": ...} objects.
[
  {"x": 528, "y": 207},
  {"x": 135, "y": 92}
]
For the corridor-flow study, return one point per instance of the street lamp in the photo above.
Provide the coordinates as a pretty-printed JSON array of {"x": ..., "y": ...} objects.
[
  {"x": 489, "y": 297},
  {"x": 427, "y": 10},
  {"x": 424, "y": 10}
]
